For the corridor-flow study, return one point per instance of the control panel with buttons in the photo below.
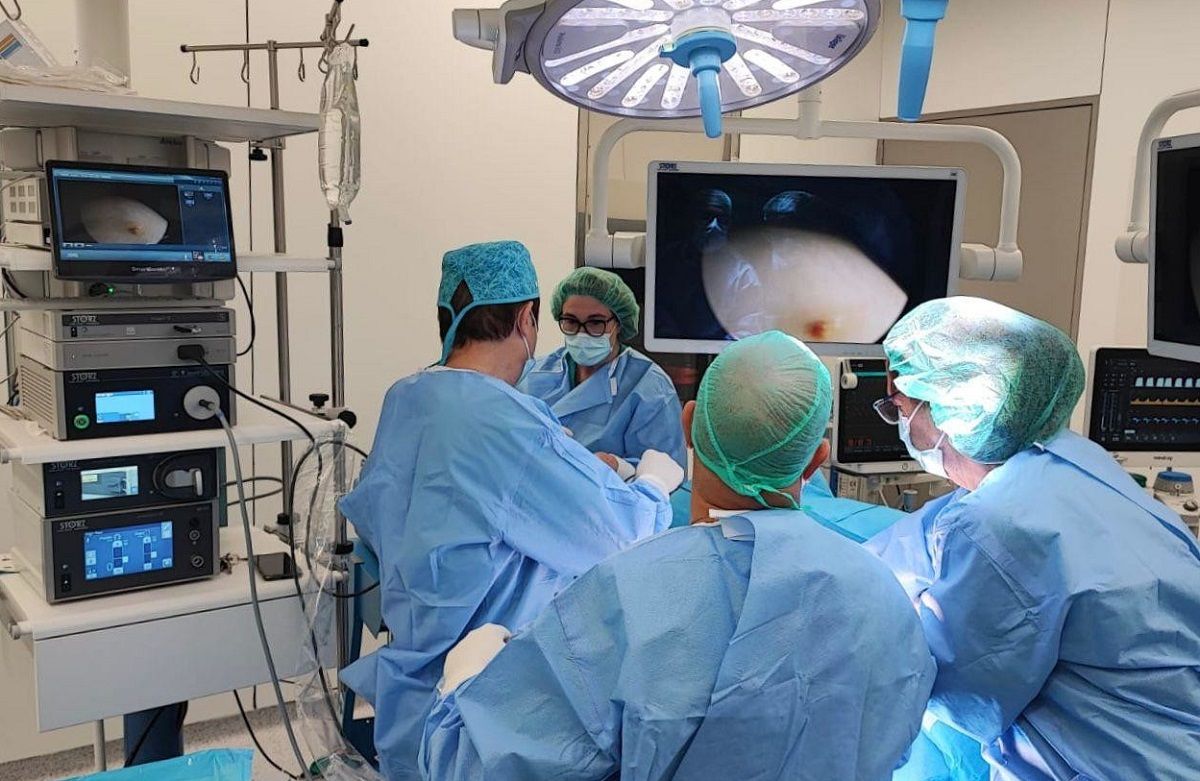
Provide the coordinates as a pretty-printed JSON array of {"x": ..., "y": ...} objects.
[
  {"x": 102, "y": 485},
  {"x": 121, "y": 551}
]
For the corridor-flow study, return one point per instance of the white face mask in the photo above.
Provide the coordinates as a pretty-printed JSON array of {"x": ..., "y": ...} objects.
[{"x": 931, "y": 460}]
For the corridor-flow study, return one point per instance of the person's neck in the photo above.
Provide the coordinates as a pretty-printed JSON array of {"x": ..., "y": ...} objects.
[
  {"x": 703, "y": 507},
  {"x": 495, "y": 359},
  {"x": 966, "y": 473},
  {"x": 583, "y": 373}
]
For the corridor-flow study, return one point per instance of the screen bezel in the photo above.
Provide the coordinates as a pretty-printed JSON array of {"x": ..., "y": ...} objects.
[
  {"x": 1158, "y": 459},
  {"x": 832, "y": 349},
  {"x": 124, "y": 270},
  {"x": 1158, "y": 347}
]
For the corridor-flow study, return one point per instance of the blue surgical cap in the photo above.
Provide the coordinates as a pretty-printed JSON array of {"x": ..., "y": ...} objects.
[
  {"x": 996, "y": 380},
  {"x": 498, "y": 272}
]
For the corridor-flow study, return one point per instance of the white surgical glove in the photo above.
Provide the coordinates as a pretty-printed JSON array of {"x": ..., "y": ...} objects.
[
  {"x": 472, "y": 655},
  {"x": 659, "y": 470}
]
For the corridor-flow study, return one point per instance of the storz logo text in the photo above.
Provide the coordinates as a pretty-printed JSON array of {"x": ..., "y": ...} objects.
[
  {"x": 72, "y": 526},
  {"x": 84, "y": 377},
  {"x": 63, "y": 466},
  {"x": 83, "y": 320},
  {"x": 668, "y": 166},
  {"x": 1165, "y": 144}
]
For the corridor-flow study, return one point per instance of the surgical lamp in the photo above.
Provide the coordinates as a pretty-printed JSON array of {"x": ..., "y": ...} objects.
[{"x": 673, "y": 59}]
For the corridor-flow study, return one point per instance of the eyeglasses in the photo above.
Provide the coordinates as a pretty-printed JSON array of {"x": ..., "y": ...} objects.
[
  {"x": 594, "y": 326},
  {"x": 889, "y": 410}
]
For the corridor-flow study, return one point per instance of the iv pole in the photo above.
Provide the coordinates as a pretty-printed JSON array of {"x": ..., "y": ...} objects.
[
  {"x": 337, "y": 342},
  {"x": 342, "y": 546}
]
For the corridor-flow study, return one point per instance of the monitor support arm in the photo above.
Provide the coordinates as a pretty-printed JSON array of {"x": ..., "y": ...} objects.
[
  {"x": 1133, "y": 246},
  {"x": 1003, "y": 262}
]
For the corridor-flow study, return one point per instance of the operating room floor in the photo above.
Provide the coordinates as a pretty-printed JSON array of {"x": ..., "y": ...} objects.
[{"x": 221, "y": 733}]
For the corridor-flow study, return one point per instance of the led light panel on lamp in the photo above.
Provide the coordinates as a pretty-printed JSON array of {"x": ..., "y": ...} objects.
[{"x": 607, "y": 55}]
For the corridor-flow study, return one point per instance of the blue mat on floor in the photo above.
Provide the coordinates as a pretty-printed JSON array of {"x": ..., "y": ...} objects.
[{"x": 221, "y": 764}]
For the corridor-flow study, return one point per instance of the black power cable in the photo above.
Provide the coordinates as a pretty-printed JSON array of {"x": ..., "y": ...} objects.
[
  {"x": 191, "y": 352},
  {"x": 257, "y": 745},
  {"x": 253, "y": 323}
]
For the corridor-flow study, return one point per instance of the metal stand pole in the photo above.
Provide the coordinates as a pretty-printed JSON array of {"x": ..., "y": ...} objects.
[
  {"x": 99, "y": 745},
  {"x": 337, "y": 365},
  {"x": 10, "y": 352},
  {"x": 281, "y": 279}
]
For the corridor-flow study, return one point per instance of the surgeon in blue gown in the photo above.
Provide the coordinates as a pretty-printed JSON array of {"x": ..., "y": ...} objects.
[
  {"x": 613, "y": 399},
  {"x": 478, "y": 505},
  {"x": 754, "y": 644},
  {"x": 1061, "y": 602}
]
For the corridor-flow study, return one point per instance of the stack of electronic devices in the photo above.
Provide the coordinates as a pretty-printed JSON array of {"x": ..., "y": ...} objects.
[{"x": 102, "y": 525}]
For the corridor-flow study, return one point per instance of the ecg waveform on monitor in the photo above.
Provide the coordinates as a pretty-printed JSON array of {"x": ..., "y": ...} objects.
[{"x": 1145, "y": 402}]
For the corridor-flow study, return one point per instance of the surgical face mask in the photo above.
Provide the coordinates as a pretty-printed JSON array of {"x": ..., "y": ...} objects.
[
  {"x": 588, "y": 350},
  {"x": 931, "y": 460},
  {"x": 528, "y": 349}
]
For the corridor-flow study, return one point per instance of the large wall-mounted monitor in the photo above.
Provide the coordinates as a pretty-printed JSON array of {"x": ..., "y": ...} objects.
[
  {"x": 122, "y": 223},
  {"x": 1174, "y": 305},
  {"x": 1145, "y": 408},
  {"x": 833, "y": 255}
]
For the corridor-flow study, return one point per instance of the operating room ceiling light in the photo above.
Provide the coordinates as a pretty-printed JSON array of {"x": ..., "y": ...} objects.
[{"x": 670, "y": 59}]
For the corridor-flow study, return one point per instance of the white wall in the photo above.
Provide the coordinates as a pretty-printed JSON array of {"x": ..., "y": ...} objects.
[
  {"x": 1152, "y": 53},
  {"x": 992, "y": 53}
]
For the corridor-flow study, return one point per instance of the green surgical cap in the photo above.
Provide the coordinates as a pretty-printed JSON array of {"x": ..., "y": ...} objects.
[
  {"x": 499, "y": 272},
  {"x": 761, "y": 412},
  {"x": 996, "y": 380},
  {"x": 607, "y": 288}
]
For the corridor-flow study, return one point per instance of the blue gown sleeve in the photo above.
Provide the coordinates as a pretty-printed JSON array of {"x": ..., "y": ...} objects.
[
  {"x": 657, "y": 424},
  {"x": 594, "y": 514},
  {"x": 994, "y": 641},
  {"x": 532, "y": 715}
]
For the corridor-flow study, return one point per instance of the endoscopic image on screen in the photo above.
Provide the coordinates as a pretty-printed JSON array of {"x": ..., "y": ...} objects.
[
  {"x": 1177, "y": 248},
  {"x": 115, "y": 213},
  {"x": 826, "y": 259}
]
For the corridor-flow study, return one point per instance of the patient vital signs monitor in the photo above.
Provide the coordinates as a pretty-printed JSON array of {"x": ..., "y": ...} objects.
[{"x": 1145, "y": 408}]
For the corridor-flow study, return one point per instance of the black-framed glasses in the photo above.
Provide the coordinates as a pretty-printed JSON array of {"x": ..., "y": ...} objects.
[
  {"x": 889, "y": 410},
  {"x": 594, "y": 326}
]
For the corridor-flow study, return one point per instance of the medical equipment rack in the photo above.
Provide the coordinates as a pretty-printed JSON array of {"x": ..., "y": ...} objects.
[{"x": 99, "y": 626}]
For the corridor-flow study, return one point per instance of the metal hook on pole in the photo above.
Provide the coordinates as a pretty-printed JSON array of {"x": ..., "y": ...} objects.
[
  {"x": 194, "y": 74},
  {"x": 301, "y": 71},
  {"x": 11, "y": 16},
  {"x": 246, "y": 68}
]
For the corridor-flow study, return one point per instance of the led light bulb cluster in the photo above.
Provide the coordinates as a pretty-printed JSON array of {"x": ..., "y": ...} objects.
[{"x": 607, "y": 55}]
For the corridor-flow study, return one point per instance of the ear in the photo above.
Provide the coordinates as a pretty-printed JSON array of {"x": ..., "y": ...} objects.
[
  {"x": 689, "y": 414},
  {"x": 818, "y": 458}
]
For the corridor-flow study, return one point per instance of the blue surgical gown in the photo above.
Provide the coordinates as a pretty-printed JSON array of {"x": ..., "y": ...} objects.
[
  {"x": 628, "y": 407},
  {"x": 1062, "y": 604},
  {"x": 480, "y": 510},
  {"x": 764, "y": 647}
]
